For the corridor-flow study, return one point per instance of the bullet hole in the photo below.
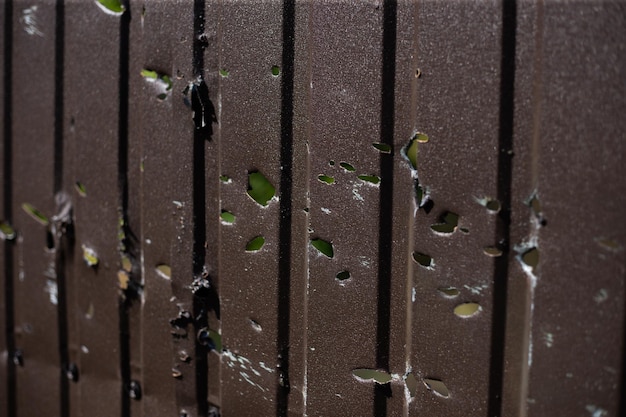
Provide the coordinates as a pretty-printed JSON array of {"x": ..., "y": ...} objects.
[
  {"x": 531, "y": 257},
  {"x": 343, "y": 275},
  {"x": 331, "y": 163},
  {"x": 227, "y": 217},
  {"x": 411, "y": 384},
  {"x": 134, "y": 390},
  {"x": 184, "y": 357},
  {"x": 372, "y": 179},
  {"x": 255, "y": 244},
  {"x": 324, "y": 247},
  {"x": 90, "y": 257},
  {"x": 260, "y": 189},
  {"x": 380, "y": 377},
  {"x": 35, "y": 214},
  {"x": 210, "y": 338},
  {"x": 18, "y": 357},
  {"x": 535, "y": 206},
  {"x": 275, "y": 70},
  {"x": 424, "y": 260},
  {"x": 176, "y": 373},
  {"x": 448, "y": 223},
  {"x": 224, "y": 72},
  {"x": 449, "y": 292},
  {"x": 6, "y": 231},
  {"x": 410, "y": 150},
  {"x": 326, "y": 179},
  {"x": 492, "y": 251},
  {"x": 49, "y": 240},
  {"x": 466, "y": 310},
  {"x": 382, "y": 147},
  {"x": 346, "y": 166},
  {"x": 72, "y": 372},
  {"x": 225, "y": 179},
  {"x": 80, "y": 189},
  {"x": 114, "y": 7},
  {"x": 437, "y": 387},
  {"x": 255, "y": 325},
  {"x": 164, "y": 271},
  {"x": 609, "y": 244}
]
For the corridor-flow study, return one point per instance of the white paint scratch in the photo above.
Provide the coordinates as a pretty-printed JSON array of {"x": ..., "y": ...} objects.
[{"x": 29, "y": 19}]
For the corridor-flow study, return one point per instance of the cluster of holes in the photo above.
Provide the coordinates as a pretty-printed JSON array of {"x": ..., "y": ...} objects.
[
  {"x": 347, "y": 167},
  {"x": 436, "y": 386}
]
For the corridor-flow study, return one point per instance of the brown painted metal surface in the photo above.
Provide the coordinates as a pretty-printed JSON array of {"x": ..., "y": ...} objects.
[{"x": 442, "y": 234}]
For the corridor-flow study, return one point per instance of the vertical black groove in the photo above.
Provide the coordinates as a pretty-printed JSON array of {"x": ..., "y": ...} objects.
[
  {"x": 385, "y": 216},
  {"x": 505, "y": 176},
  {"x": 202, "y": 133},
  {"x": 286, "y": 190},
  {"x": 7, "y": 189},
  {"x": 122, "y": 177},
  {"x": 62, "y": 319},
  {"x": 622, "y": 402}
]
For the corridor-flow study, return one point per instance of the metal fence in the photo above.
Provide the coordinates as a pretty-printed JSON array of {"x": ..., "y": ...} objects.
[{"x": 322, "y": 208}]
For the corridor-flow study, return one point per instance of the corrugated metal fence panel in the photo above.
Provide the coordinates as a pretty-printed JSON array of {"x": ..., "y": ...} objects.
[
  {"x": 436, "y": 148},
  {"x": 91, "y": 106},
  {"x": 34, "y": 272},
  {"x": 578, "y": 305}
]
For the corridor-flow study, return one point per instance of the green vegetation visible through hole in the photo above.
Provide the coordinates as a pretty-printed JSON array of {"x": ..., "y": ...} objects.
[
  {"x": 225, "y": 178},
  {"x": 275, "y": 70},
  {"x": 324, "y": 247},
  {"x": 411, "y": 384},
  {"x": 531, "y": 257},
  {"x": 80, "y": 189},
  {"x": 437, "y": 386},
  {"x": 449, "y": 223},
  {"x": 227, "y": 217},
  {"x": 412, "y": 148},
  {"x": 424, "y": 260},
  {"x": 35, "y": 214},
  {"x": 90, "y": 257},
  {"x": 260, "y": 189},
  {"x": 114, "y": 6},
  {"x": 492, "y": 251},
  {"x": 380, "y": 377},
  {"x": 372, "y": 179},
  {"x": 347, "y": 166},
  {"x": 326, "y": 179},
  {"x": 255, "y": 244},
  {"x": 224, "y": 73},
  {"x": 164, "y": 271},
  {"x": 6, "y": 231},
  {"x": 466, "y": 310},
  {"x": 343, "y": 275},
  {"x": 383, "y": 147},
  {"x": 450, "y": 292}
]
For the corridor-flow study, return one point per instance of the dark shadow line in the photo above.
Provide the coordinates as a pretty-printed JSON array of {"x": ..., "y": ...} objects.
[
  {"x": 505, "y": 178},
  {"x": 122, "y": 178},
  {"x": 202, "y": 132},
  {"x": 622, "y": 402},
  {"x": 385, "y": 214},
  {"x": 11, "y": 406},
  {"x": 286, "y": 191},
  {"x": 62, "y": 319}
]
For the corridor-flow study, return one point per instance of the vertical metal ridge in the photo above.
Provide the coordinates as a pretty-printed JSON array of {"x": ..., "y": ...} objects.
[
  {"x": 286, "y": 188},
  {"x": 385, "y": 217},
  {"x": 504, "y": 184},
  {"x": 123, "y": 117},
  {"x": 7, "y": 189}
]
